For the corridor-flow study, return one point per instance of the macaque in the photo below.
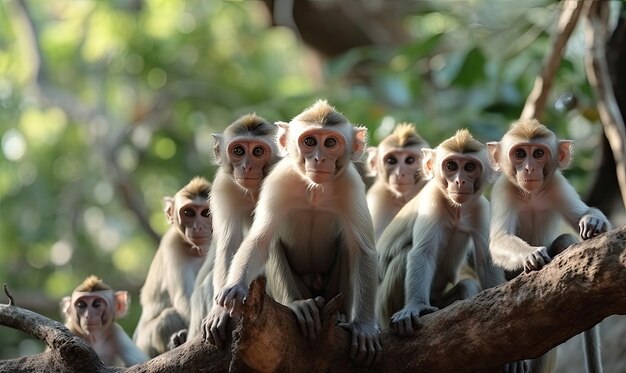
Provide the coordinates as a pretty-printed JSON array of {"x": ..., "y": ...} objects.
[
  {"x": 165, "y": 296},
  {"x": 90, "y": 314},
  {"x": 396, "y": 163},
  {"x": 245, "y": 152},
  {"x": 530, "y": 201},
  {"x": 312, "y": 231},
  {"x": 424, "y": 246}
]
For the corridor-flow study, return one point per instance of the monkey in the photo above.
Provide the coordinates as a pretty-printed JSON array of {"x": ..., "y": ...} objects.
[
  {"x": 165, "y": 296},
  {"x": 531, "y": 199},
  {"x": 90, "y": 314},
  {"x": 396, "y": 163},
  {"x": 422, "y": 249},
  {"x": 245, "y": 153},
  {"x": 312, "y": 230}
]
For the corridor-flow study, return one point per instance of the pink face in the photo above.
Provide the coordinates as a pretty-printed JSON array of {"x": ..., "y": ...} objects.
[
  {"x": 195, "y": 218},
  {"x": 402, "y": 168},
  {"x": 321, "y": 148},
  {"x": 528, "y": 161},
  {"x": 249, "y": 158},
  {"x": 461, "y": 173},
  {"x": 93, "y": 311}
]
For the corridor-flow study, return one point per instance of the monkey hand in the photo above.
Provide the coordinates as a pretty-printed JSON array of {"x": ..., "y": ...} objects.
[
  {"x": 537, "y": 259},
  {"x": 214, "y": 326},
  {"x": 177, "y": 339},
  {"x": 516, "y": 367},
  {"x": 365, "y": 342},
  {"x": 591, "y": 226},
  {"x": 308, "y": 315},
  {"x": 406, "y": 321},
  {"x": 231, "y": 297}
]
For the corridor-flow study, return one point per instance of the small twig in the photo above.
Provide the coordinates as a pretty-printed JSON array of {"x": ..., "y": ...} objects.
[{"x": 9, "y": 295}]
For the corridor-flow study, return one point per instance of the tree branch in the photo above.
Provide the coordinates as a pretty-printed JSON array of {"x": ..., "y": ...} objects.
[
  {"x": 520, "y": 319},
  {"x": 596, "y": 14},
  {"x": 536, "y": 101}
]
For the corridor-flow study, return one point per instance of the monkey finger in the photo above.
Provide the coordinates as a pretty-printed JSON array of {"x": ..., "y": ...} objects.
[
  {"x": 417, "y": 323},
  {"x": 407, "y": 326},
  {"x": 221, "y": 325},
  {"x": 371, "y": 352},
  {"x": 310, "y": 309},
  {"x": 320, "y": 301},
  {"x": 362, "y": 349},
  {"x": 378, "y": 348},
  {"x": 354, "y": 345},
  {"x": 301, "y": 321}
]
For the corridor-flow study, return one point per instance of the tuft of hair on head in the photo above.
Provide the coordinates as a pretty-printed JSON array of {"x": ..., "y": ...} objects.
[
  {"x": 92, "y": 283},
  {"x": 405, "y": 135},
  {"x": 198, "y": 186},
  {"x": 529, "y": 129},
  {"x": 463, "y": 142},
  {"x": 250, "y": 124},
  {"x": 321, "y": 113}
]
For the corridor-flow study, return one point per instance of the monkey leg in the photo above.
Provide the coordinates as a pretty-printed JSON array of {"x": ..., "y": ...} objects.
[
  {"x": 390, "y": 293},
  {"x": 466, "y": 288},
  {"x": 591, "y": 346},
  {"x": 561, "y": 243},
  {"x": 155, "y": 334},
  {"x": 544, "y": 363}
]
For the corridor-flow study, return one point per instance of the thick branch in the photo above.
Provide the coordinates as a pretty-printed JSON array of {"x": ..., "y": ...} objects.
[
  {"x": 536, "y": 100},
  {"x": 521, "y": 319},
  {"x": 600, "y": 80}
]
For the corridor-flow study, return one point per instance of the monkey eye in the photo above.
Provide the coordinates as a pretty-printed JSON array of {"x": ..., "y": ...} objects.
[
  {"x": 206, "y": 213},
  {"x": 538, "y": 153},
  {"x": 392, "y": 160},
  {"x": 520, "y": 153},
  {"x": 81, "y": 304},
  {"x": 258, "y": 151},
  {"x": 310, "y": 141},
  {"x": 452, "y": 166},
  {"x": 96, "y": 303},
  {"x": 189, "y": 212},
  {"x": 330, "y": 142},
  {"x": 239, "y": 151},
  {"x": 409, "y": 160},
  {"x": 470, "y": 166}
]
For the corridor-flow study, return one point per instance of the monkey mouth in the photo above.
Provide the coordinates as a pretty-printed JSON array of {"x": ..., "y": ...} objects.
[{"x": 319, "y": 172}]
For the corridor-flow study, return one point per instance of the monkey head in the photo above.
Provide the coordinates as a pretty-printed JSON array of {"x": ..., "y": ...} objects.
[
  {"x": 246, "y": 150},
  {"x": 189, "y": 211},
  {"x": 93, "y": 306},
  {"x": 321, "y": 141},
  {"x": 528, "y": 154},
  {"x": 458, "y": 165}
]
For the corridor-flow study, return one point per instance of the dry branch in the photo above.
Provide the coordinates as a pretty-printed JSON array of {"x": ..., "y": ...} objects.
[
  {"x": 536, "y": 101},
  {"x": 520, "y": 319}
]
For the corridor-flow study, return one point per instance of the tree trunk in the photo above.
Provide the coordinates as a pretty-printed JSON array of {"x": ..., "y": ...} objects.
[{"x": 520, "y": 319}]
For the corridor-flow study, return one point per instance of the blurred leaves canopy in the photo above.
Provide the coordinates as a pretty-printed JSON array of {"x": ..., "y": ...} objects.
[{"x": 108, "y": 106}]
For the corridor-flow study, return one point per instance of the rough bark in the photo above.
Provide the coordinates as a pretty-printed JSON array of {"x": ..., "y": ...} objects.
[{"x": 520, "y": 319}]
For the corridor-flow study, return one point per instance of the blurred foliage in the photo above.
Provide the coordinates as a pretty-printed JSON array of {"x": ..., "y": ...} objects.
[{"x": 124, "y": 95}]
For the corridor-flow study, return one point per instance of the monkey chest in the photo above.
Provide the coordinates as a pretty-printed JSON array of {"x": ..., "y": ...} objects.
[{"x": 310, "y": 241}]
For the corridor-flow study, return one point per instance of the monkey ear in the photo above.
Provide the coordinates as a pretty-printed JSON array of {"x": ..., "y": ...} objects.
[
  {"x": 359, "y": 142},
  {"x": 493, "y": 151},
  {"x": 217, "y": 147},
  {"x": 281, "y": 138},
  {"x": 565, "y": 153},
  {"x": 169, "y": 209},
  {"x": 372, "y": 156},
  {"x": 428, "y": 162},
  {"x": 122, "y": 302},
  {"x": 65, "y": 304}
]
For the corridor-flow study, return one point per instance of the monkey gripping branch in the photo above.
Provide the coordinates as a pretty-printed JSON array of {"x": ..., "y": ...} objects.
[{"x": 520, "y": 319}]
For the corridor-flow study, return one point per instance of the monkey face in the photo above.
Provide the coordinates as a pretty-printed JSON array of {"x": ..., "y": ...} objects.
[
  {"x": 249, "y": 158},
  {"x": 322, "y": 151},
  {"x": 461, "y": 174},
  {"x": 93, "y": 311},
  {"x": 196, "y": 222},
  {"x": 401, "y": 169},
  {"x": 529, "y": 161}
]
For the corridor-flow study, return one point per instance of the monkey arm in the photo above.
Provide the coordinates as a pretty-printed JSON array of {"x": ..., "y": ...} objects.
[
  {"x": 396, "y": 236},
  {"x": 421, "y": 262},
  {"x": 488, "y": 273},
  {"x": 126, "y": 348},
  {"x": 507, "y": 249},
  {"x": 179, "y": 281}
]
